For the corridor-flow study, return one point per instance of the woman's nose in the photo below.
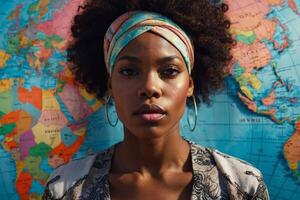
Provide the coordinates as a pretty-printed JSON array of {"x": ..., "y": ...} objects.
[{"x": 150, "y": 86}]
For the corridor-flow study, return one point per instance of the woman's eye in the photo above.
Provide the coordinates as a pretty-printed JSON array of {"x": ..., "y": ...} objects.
[
  {"x": 128, "y": 72},
  {"x": 169, "y": 72}
]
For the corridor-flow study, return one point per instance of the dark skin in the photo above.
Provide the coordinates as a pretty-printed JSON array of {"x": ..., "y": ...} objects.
[{"x": 153, "y": 161}]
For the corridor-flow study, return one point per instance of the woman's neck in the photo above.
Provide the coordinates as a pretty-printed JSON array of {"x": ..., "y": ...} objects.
[{"x": 151, "y": 156}]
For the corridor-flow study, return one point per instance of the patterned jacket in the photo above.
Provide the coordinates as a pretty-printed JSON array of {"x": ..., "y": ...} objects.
[{"x": 215, "y": 176}]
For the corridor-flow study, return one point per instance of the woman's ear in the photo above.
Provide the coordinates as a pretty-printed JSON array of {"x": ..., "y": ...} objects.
[
  {"x": 191, "y": 87},
  {"x": 109, "y": 88}
]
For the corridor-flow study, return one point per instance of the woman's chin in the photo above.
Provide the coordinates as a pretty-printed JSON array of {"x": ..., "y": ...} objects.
[{"x": 147, "y": 132}]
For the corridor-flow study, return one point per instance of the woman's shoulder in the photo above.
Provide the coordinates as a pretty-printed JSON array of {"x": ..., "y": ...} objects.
[
  {"x": 239, "y": 174},
  {"x": 66, "y": 176}
]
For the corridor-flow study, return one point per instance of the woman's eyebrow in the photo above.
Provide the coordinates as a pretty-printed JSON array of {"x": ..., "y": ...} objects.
[
  {"x": 129, "y": 58},
  {"x": 160, "y": 60},
  {"x": 168, "y": 59}
]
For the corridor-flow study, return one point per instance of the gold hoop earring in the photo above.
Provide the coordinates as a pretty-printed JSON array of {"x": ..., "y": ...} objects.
[
  {"x": 107, "y": 115},
  {"x": 192, "y": 128}
]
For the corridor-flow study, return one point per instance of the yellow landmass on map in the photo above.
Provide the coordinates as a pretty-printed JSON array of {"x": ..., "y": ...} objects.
[
  {"x": 247, "y": 92},
  {"x": 4, "y": 57},
  {"x": 236, "y": 31},
  {"x": 42, "y": 6},
  {"x": 275, "y": 2},
  {"x": 47, "y": 134},
  {"x": 80, "y": 132},
  {"x": 89, "y": 97},
  {"x": 49, "y": 101},
  {"x": 24, "y": 41},
  {"x": 248, "y": 78},
  {"x": 19, "y": 166},
  {"x": 60, "y": 45},
  {"x": 5, "y": 84},
  {"x": 96, "y": 106},
  {"x": 255, "y": 82},
  {"x": 85, "y": 94}
]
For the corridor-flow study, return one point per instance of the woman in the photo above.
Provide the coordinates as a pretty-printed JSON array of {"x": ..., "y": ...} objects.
[{"x": 159, "y": 56}]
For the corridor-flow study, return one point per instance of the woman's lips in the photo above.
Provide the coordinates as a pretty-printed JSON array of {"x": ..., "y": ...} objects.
[
  {"x": 152, "y": 117},
  {"x": 150, "y": 112}
]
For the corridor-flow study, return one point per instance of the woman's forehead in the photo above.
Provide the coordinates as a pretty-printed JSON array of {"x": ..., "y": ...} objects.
[{"x": 149, "y": 46}]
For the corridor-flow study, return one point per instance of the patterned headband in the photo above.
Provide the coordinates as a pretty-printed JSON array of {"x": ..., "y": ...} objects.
[{"x": 132, "y": 24}]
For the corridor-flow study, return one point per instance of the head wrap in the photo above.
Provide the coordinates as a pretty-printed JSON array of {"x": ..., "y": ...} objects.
[{"x": 132, "y": 24}]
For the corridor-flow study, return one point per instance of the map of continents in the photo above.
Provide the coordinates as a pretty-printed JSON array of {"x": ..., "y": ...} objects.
[
  {"x": 267, "y": 63},
  {"x": 46, "y": 120}
]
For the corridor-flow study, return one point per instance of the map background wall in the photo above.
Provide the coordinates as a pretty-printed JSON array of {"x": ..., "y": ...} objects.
[{"x": 47, "y": 120}]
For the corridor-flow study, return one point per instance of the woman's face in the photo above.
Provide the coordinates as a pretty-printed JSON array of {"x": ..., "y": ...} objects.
[{"x": 150, "y": 84}]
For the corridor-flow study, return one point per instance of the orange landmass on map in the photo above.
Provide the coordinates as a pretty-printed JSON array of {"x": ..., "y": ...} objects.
[
  {"x": 66, "y": 76},
  {"x": 15, "y": 13},
  {"x": 43, "y": 53},
  {"x": 9, "y": 143},
  {"x": 24, "y": 123},
  {"x": 269, "y": 100},
  {"x": 250, "y": 104},
  {"x": 11, "y": 117},
  {"x": 270, "y": 112},
  {"x": 275, "y": 2},
  {"x": 4, "y": 57},
  {"x": 42, "y": 7},
  {"x": 33, "y": 97},
  {"x": 64, "y": 153},
  {"x": 23, "y": 185},
  {"x": 292, "y": 148}
]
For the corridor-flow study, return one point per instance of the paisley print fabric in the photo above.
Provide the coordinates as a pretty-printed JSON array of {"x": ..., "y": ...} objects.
[{"x": 216, "y": 176}]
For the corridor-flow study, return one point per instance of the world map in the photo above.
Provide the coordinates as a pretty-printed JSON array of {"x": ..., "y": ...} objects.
[{"x": 46, "y": 119}]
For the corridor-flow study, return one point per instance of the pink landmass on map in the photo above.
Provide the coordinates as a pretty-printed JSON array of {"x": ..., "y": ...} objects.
[
  {"x": 26, "y": 142},
  {"x": 236, "y": 5},
  {"x": 252, "y": 56},
  {"x": 265, "y": 30},
  {"x": 75, "y": 103},
  {"x": 78, "y": 126},
  {"x": 53, "y": 117},
  {"x": 61, "y": 22},
  {"x": 293, "y": 6},
  {"x": 250, "y": 16},
  {"x": 247, "y": 14}
]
